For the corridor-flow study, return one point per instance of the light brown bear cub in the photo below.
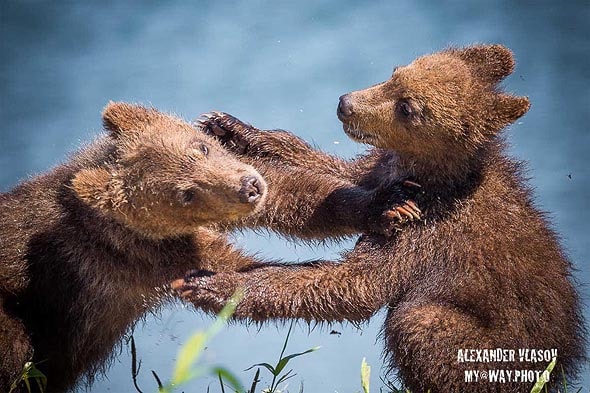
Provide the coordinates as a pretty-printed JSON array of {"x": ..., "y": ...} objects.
[
  {"x": 84, "y": 247},
  {"x": 483, "y": 270}
]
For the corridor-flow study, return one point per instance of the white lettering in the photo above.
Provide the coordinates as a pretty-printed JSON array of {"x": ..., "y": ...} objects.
[
  {"x": 471, "y": 375},
  {"x": 460, "y": 356}
]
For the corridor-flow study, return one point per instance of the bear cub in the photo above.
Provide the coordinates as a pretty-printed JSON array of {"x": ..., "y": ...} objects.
[
  {"x": 482, "y": 270},
  {"x": 85, "y": 246}
]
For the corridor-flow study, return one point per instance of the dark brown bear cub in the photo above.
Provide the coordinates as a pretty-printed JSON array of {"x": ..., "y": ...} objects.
[
  {"x": 482, "y": 271},
  {"x": 84, "y": 247}
]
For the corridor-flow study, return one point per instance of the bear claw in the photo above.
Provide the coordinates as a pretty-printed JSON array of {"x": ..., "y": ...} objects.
[
  {"x": 230, "y": 131},
  {"x": 413, "y": 206},
  {"x": 399, "y": 212},
  {"x": 409, "y": 183},
  {"x": 410, "y": 210}
]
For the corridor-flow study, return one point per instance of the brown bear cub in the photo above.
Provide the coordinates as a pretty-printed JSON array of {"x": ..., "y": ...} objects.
[
  {"x": 482, "y": 271},
  {"x": 84, "y": 247}
]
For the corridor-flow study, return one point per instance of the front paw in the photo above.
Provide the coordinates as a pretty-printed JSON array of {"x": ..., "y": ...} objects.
[
  {"x": 207, "y": 291},
  {"x": 393, "y": 219},
  {"x": 230, "y": 131},
  {"x": 400, "y": 208}
]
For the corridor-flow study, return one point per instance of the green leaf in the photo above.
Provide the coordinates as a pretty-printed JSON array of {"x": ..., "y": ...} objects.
[
  {"x": 226, "y": 312},
  {"x": 33, "y": 372},
  {"x": 42, "y": 384},
  {"x": 27, "y": 384},
  {"x": 30, "y": 372},
  {"x": 265, "y": 365},
  {"x": 283, "y": 362},
  {"x": 289, "y": 374},
  {"x": 188, "y": 355},
  {"x": 192, "y": 350},
  {"x": 229, "y": 377},
  {"x": 365, "y": 375},
  {"x": 544, "y": 377}
]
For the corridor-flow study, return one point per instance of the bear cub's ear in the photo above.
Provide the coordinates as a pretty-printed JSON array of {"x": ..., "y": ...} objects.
[
  {"x": 98, "y": 188},
  {"x": 491, "y": 63},
  {"x": 121, "y": 118},
  {"x": 510, "y": 108}
]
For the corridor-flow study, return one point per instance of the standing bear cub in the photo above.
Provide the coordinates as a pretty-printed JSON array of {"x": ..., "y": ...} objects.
[
  {"x": 482, "y": 271},
  {"x": 84, "y": 247}
]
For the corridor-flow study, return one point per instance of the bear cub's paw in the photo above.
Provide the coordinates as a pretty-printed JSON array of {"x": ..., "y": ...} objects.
[
  {"x": 234, "y": 134},
  {"x": 210, "y": 292},
  {"x": 243, "y": 139},
  {"x": 399, "y": 211}
]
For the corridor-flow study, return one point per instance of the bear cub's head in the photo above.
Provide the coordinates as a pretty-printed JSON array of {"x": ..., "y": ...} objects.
[
  {"x": 441, "y": 105},
  {"x": 166, "y": 178}
]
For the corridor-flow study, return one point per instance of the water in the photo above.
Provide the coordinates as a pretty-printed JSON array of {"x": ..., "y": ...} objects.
[{"x": 282, "y": 64}]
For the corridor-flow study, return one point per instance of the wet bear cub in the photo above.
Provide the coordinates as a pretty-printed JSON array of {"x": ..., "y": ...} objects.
[
  {"x": 482, "y": 270},
  {"x": 84, "y": 247}
]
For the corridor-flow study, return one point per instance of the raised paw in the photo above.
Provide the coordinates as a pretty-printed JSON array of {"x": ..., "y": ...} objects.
[
  {"x": 393, "y": 219},
  {"x": 207, "y": 290},
  {"x": 406, "y": 211},
  {"x": 191, "y": 280},
  {"x": 230, "y": 131},
  {"x": 400, "y": 208}
]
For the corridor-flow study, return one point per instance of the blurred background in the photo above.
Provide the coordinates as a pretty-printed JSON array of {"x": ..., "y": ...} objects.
[{"x": 283, "y": 65}]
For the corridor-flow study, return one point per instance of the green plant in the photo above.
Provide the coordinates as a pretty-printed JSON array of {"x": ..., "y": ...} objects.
[
  {"x": 544, "y": 377},
  {"x": 365, "y": 375},
  {"x": 542, "y": 382},
  {"x": 564, "y": 383},
  {"x": 30, "y": 372},
  {"x": 278, "y": 368},
  {"x": 186, "y": 368}
]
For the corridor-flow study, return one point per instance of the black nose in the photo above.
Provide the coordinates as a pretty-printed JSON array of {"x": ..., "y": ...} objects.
[
  {"x": 345, "y": 106},
  {"x": 251, "y": 189}
]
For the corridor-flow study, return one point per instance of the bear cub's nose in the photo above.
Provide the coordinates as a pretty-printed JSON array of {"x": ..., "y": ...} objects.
[
  {"x": 251, "y": 189},
  {"x": 345, "y": 106}
]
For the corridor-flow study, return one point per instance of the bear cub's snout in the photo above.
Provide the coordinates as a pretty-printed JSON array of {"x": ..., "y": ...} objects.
[
  {"x": 252, "y": 190},
  {"x": 344, "y": 107}
]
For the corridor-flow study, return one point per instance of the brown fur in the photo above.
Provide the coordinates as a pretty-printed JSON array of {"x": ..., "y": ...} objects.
[
  {"x": 87, "y": 248},
  {"x": 311, "y": 196},
  {"x": 84, "y": 247},
  {"x": 483, "y": 270}
]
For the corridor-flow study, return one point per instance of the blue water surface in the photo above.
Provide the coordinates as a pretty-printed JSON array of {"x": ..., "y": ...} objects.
[{"x": 283, "y": 65}]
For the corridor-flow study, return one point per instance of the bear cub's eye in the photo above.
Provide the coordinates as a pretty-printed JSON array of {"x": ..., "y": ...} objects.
[
  {"x": 204, "y": 149},
  {"x": 186, "y": 197},
  {"x": 404, "y": 109}
]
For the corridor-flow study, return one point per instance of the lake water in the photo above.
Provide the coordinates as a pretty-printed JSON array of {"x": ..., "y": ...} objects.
[{"x": 283, "y": 65}]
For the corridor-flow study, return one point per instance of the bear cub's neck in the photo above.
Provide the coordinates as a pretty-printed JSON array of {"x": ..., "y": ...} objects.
[{"x": 452, "y": 176}]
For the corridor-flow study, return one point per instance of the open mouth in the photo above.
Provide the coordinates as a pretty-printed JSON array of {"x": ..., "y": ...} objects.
[{"x": 357, "y": 134}]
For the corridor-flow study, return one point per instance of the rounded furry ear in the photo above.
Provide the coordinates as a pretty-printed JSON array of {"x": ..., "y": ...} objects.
[
  {"x": 491, "y": 63},
  {"x": 121, "y": 118},
  {"x": 510, "y": 108},
  {"x": 98, "y": 188}
]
